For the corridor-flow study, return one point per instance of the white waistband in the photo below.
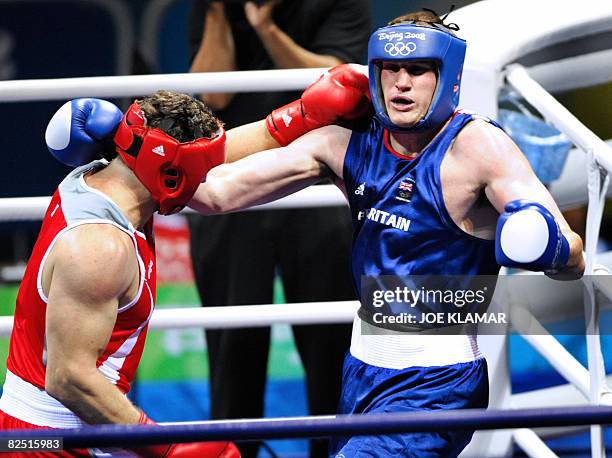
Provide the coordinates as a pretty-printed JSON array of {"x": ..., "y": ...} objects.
[
  {"x": 401, "y": 350},
  {"x": 29, "y": 403}
]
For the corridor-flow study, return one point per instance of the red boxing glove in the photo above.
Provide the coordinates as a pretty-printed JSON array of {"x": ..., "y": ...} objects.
[
  {"x": 340, "y": 96},
  {"x": 188, "y": 450}
]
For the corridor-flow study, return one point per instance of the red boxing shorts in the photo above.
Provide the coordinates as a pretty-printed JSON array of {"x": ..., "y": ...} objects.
[{"x": 8, "y": 422}]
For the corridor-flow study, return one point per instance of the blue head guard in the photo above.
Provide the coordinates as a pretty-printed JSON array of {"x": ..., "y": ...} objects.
[{"x": 406, "y": 42}]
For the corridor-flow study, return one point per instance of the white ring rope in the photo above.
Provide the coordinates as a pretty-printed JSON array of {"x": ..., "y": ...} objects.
[
  {"x": 569, "y": 191},
  {"x": 240, "y": 316},
  {"x": 23, "y": 208},
  {"x": 33, "y": 208},
  {"x": 138, "y": 85}
]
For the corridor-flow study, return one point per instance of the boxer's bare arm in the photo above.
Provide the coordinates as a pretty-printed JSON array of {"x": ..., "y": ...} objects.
[
  {"x": 505, "y": 175},
  {"x": 91, "y": 269},
  {"x": 270, "y": 175},
  {"x": 248, "y": 139}
]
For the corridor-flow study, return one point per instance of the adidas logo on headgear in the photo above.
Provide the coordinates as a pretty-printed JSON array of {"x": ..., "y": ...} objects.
[{"x": 159, "y": 150}]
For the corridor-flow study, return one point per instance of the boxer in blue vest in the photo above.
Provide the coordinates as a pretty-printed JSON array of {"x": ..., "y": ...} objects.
[{"x": 433, "y": 190}]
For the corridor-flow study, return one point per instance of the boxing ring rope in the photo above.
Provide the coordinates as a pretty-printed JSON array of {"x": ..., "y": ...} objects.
[
  {"x": 241, "y": 316},
  {"x": 324, "y": 426},
  {"x": 590, "y": 383},
  {"x": 138, "y": 85},
  {"x": 33, "y": 208}
]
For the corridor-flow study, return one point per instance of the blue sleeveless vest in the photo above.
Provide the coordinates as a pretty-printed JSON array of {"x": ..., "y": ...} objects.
[{"x": 401, "y": 225}]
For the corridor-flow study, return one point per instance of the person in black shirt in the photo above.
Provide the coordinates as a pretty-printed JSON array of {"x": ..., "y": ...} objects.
[{"x": 235, "y": 257}]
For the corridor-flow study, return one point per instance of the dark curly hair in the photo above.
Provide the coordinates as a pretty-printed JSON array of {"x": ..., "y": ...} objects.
[
  {"x": 179, "y": 115},
  {"x": 425, "y": 17}
]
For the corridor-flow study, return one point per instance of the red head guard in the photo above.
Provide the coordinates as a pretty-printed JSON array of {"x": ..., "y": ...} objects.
[{"x": 169, "y": 169}]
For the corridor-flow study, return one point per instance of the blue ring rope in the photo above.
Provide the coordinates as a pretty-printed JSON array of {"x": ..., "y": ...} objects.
[{"x": 343, "y": 425}]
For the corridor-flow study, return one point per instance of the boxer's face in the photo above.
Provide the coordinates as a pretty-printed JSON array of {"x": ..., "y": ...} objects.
[{"x": 408, "y": 88}]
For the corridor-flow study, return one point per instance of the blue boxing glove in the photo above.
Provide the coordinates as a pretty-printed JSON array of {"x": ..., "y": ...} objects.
[
  {"x": 77, "y": 132},
  {"x": 529, "y": 237}
]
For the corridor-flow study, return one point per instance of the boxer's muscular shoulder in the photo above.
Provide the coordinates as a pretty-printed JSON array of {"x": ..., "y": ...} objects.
[
  {"x": 486, "y": 148},
  {"x": 93, "y": 260},
  {"x": 478, "y": 138}
]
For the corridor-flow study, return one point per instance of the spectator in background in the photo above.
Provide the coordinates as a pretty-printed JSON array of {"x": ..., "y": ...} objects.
[{"x": 235, "y": 257}]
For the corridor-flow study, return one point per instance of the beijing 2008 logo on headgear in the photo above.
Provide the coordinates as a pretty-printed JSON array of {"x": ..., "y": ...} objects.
[{"x": 400, "y": 48}]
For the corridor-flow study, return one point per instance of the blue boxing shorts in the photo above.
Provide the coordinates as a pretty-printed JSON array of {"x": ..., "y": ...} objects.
[{"x": 371, "y": 389}]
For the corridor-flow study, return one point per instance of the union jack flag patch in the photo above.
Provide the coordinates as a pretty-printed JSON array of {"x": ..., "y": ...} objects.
[{"x": 405, "y": 190}]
